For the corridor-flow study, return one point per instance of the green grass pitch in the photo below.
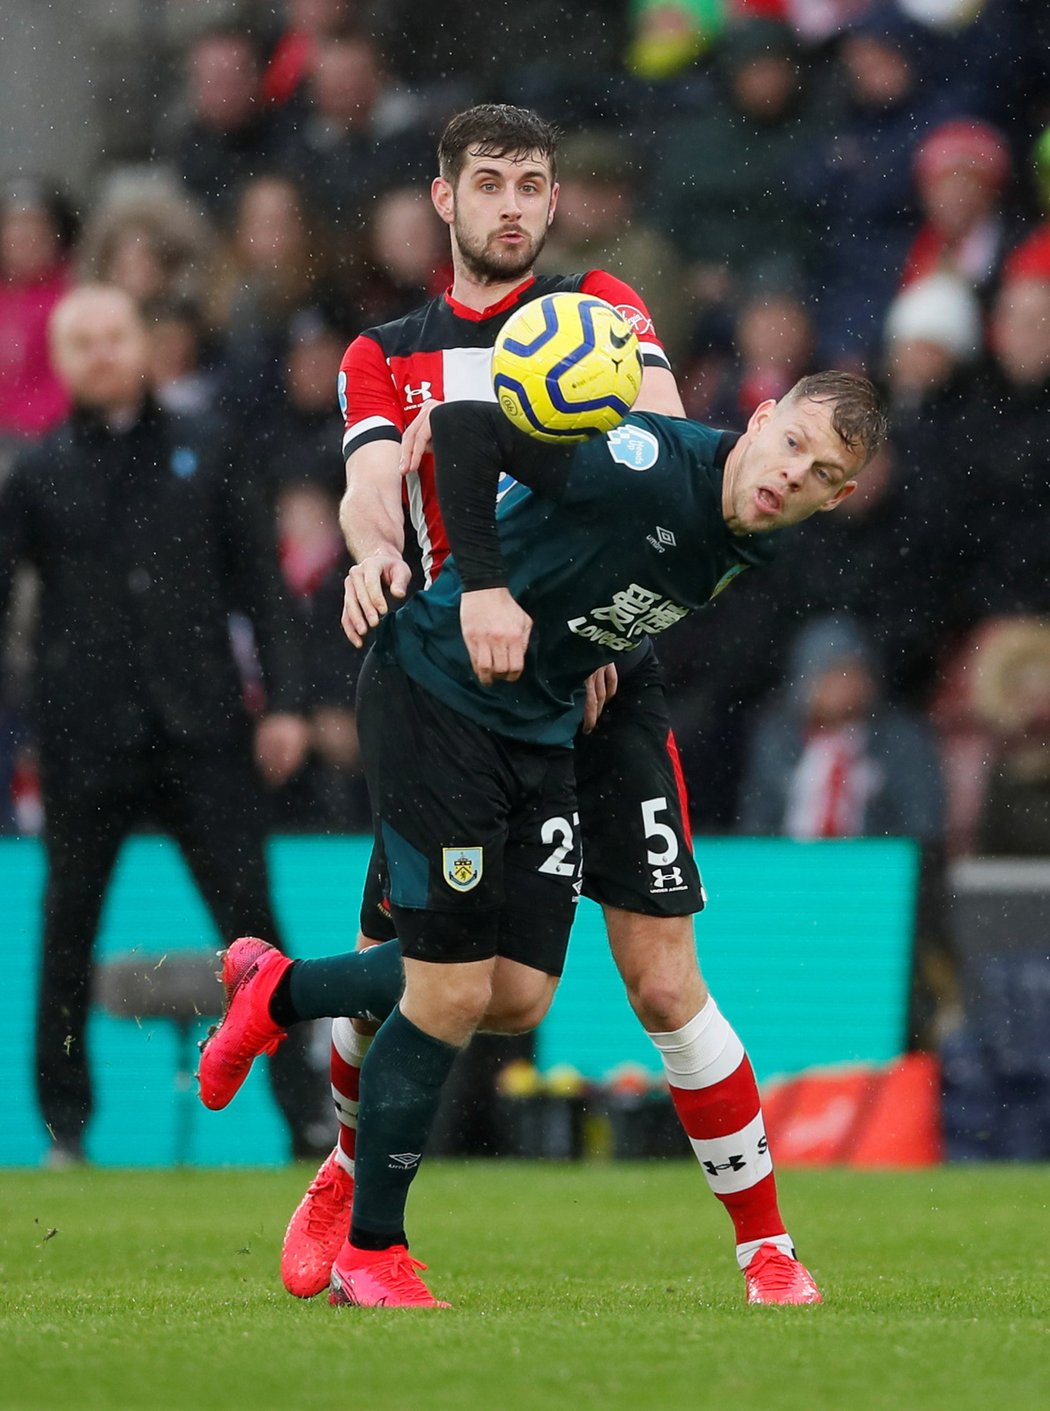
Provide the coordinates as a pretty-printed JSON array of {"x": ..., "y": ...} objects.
[{"x": 602, "y": 1286}]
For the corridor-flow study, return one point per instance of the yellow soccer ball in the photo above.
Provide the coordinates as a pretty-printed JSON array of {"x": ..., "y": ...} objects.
[{"x": 566, "y": 366}]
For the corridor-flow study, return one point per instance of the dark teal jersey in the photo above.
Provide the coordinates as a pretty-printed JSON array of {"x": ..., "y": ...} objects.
[{"x": 625, "y": 541}]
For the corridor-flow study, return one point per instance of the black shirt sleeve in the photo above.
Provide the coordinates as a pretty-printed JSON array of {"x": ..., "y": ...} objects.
[{"x": 474, "y": 444}]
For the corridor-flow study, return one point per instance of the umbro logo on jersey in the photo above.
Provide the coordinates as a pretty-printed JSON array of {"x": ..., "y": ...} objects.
[{"x": 662, "y": 539}]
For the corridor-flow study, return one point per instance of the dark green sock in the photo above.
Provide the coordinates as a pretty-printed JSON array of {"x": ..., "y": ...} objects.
[
  {"x": 358, "y": 983},
  {"x": 401, "y": 1081}
]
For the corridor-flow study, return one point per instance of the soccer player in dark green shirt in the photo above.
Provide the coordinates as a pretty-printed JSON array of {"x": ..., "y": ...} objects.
[{"x": 563, "y": 559}]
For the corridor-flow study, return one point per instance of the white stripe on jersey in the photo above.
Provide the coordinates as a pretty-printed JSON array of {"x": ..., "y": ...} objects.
[
  {"x": 360, "y": 428},
  {"x": 653, "y": 350},
  {"x": 468, "y": 374},
  {"x": 419, "y": 523}
]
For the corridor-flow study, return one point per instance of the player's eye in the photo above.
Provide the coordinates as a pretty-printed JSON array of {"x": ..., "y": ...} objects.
[{"x": 823, "y": 476}]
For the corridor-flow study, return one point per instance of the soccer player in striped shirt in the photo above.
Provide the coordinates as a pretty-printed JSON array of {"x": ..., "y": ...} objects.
[{"x": 497, "y": 192}]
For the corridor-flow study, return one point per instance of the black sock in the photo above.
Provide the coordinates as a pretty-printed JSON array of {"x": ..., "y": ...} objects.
[
  {"x": 401, "y": 1081},
  {"x": 357, "y": 983}
]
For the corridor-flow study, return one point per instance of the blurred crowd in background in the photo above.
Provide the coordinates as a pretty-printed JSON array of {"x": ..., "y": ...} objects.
[{"x": 791, "y": 185}]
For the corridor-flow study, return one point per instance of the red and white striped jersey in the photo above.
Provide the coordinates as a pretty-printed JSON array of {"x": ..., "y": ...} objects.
[{"x": 443, "y": 351}]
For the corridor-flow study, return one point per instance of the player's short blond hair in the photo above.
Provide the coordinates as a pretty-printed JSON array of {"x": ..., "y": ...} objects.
[{"x": 858, "y": 417}]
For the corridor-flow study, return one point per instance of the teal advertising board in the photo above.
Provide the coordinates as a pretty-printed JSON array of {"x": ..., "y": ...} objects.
[{"x": 807, "y": 947}]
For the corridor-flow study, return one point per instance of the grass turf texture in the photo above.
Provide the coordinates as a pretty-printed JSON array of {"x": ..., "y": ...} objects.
[{"x": 592, "y": 1286}]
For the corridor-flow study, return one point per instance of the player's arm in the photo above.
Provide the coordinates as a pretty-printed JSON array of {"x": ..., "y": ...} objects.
[
  {"x": 373, "y": 525},
  {"x": 659, "y": 391},
  {"x": 370, "y": 514},
  {"x": 474, "y": 444}
]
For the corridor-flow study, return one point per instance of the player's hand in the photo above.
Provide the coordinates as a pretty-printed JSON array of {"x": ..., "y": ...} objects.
[
  {"x": 496, "y": 631},
  {"x": 281, "y": 743},
  {"x": 601, "y": 687},
  {"x": 365, "y": 589},
  {"x": 417, "y": 438}
]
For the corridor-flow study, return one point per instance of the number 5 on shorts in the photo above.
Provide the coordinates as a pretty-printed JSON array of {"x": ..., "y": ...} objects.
[{"x": 658, "y": 832}]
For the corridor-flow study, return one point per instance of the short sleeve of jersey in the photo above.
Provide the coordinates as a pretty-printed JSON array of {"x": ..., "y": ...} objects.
[
  {"x": 640, "y": 462},
  {"x": 614, "y": 291},
  {"x": 367, "y": 396}
]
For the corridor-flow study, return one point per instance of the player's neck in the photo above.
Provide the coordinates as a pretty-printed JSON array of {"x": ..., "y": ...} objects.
[{"x": 479, "y": 294}]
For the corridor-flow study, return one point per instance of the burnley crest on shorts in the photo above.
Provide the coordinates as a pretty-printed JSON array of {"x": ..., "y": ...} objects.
[{"x": 463, "y": 867}]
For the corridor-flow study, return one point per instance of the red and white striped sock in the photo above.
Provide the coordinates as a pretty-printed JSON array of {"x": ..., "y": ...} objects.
[
  {"x": 348, "y": 1053},
  {"x": 716, "y": 1097}
]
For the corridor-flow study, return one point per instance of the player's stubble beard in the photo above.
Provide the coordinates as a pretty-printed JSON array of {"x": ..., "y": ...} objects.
[{"x": 489, "y": 266}]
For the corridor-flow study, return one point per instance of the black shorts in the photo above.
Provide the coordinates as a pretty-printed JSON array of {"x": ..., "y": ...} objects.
[
  {"x": 634, "y": 817},
  {"x": 478, "y": 834}
]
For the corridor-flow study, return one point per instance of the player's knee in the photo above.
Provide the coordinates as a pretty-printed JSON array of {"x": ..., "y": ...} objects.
[
  {"x": 520, "y": 1011},
  {"x": 520, "y": 1018},
  {"x": 664, "y": 999},
  {"x": 467, "y": 995},
  {"x": 451, "y": 1009}
]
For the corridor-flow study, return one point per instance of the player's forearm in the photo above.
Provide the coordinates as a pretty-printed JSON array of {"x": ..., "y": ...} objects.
[
  {"x": 659, "y": 393},
  {"x": 370, "y": 515}
]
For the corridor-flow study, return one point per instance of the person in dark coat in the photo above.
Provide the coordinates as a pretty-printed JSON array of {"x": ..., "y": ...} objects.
[
  {"x": 856, "y": 181},
  {"x": 145, "y": 540},
  {"x": 1003, "y": 458}
]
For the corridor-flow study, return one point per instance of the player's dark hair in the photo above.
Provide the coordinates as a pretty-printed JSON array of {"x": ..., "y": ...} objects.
[
  {"x": 495, "y": 130},
  {"x": 859, "y": 418}
]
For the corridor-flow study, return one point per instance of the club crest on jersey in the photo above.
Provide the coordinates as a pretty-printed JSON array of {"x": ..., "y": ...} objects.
[
  {"x": 462, "y": 867},
  {"x": 633, "y": 447}
]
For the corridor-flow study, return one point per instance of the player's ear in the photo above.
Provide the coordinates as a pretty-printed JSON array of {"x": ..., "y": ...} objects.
[
  {"x": 554, "y": 202},
  {"x": 842, "y": 493},
  {"x": 761, "y": 414},
  {"x": 444, "y": 199}
]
